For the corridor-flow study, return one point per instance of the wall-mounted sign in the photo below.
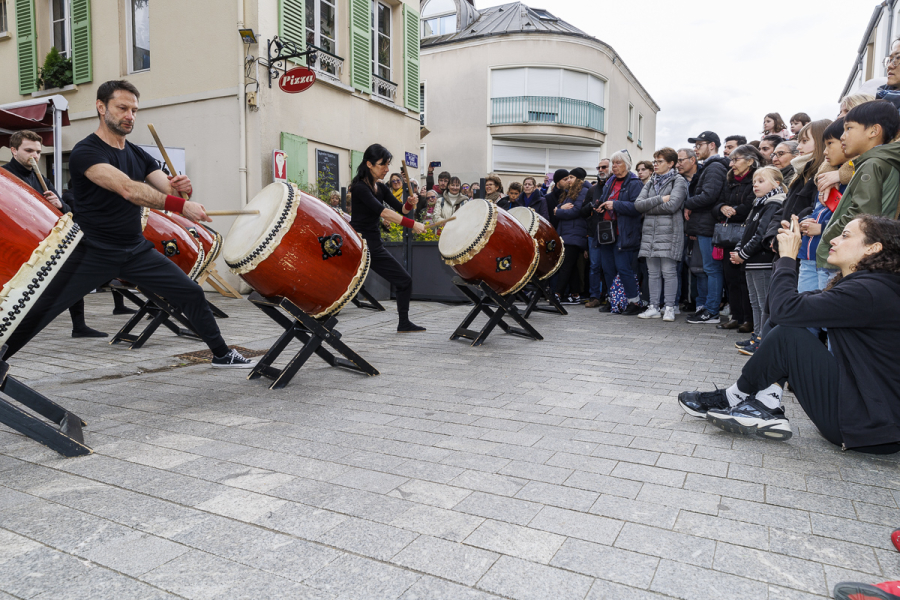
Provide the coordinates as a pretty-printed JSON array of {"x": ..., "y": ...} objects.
[
  {"x": 279, "y": 165},
  {"x": 297, "y": 80},
  {"x": 327, "y": 169},
  {"x": 412, "y": 160}
]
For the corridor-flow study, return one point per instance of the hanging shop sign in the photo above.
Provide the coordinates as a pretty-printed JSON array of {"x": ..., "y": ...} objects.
[{"x": 298, "y": 79}]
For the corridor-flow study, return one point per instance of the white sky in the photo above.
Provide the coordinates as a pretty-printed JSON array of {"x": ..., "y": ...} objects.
[{"x": 721, "y": 65}]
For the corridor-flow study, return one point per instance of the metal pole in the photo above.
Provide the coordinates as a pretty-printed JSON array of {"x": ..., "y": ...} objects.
[
  {"x": 344, "y": 199},
  {"x": 481, "y": 188},
  {"x": 57, "y": 148}
]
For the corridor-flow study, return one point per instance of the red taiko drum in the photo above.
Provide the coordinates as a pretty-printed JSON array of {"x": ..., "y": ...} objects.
[
  {"x": 174, "y": 241},
  {"x": 297, "y": 247},
  {"x": 485, "y": 243},
  {"x": 209, "y": 239},
  {"x": 550, "y": 245},
  {"x": 35, "y": 240}
]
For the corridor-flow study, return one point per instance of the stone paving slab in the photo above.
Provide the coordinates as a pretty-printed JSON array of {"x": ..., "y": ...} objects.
[{"x": 528, "y": 470}]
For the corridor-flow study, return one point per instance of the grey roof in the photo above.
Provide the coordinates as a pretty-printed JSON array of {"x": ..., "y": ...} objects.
[{"x": 514, "y": 17}]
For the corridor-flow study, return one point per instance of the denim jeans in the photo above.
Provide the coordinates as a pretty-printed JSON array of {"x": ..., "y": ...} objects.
[
  {"x": 596, "y": 278},
  {"x": 618, "y": 262},
  {"x": 715, "y": 277},
  {"x": 807, "y": 278}
]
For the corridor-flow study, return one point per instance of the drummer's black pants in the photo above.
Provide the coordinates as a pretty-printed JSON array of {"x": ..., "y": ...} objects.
[
  {"x": 90, "y": 267},
  {"x": 387, "y": 266}
]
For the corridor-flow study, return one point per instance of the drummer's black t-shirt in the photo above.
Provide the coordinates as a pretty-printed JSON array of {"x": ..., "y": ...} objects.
[
  {"x": 106, "y": 217},
  {"x": 367, "y": 207}
]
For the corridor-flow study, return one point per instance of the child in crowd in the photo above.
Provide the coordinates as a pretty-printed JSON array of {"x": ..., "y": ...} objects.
[
  {"x": 753, "y": 253},
  {"x": 798, "y": 121},
  {"x": 773, "y": 124},
  {"x": 810, "y": 277},
  {"x": 868, "y": 131}
]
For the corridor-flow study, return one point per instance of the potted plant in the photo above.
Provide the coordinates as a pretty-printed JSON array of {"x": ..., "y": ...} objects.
[{"x": 56, "y": 72}]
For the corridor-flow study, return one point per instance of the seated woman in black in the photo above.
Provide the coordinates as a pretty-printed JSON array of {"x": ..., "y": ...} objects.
[
  {"x": 370, "y": 199},
  {"x": 852, "y": 392}
]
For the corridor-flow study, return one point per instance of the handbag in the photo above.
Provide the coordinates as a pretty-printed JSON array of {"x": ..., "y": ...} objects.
[
  {"x": 728, "y": 235},
  {"x": 606, "y": 232},
  {"x": 695, "y": 259}
]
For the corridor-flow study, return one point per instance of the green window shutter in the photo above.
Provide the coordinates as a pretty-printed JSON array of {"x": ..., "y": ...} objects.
[
  {"x": 26, "y": 46},
  {"x": 82, "y": 65},
  {"x": 291, "y": 19},
  {"x": 356, "y": 157},
  {"x": 361, "y": 45},
  {"x": 297, "y": 150},
  {"x": 411, "y": 58}
]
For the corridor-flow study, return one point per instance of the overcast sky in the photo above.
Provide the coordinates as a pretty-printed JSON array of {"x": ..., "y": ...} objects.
[{"x": 722, "y": 65}]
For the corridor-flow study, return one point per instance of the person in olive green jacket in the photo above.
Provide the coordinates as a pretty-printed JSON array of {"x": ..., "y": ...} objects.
[{"x": 875, "y": 186}]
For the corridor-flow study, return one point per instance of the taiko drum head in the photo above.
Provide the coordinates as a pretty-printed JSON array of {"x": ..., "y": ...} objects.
[{"x": 550, "y": 245}]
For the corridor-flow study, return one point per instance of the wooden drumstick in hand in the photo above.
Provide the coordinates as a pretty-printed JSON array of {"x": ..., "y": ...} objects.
[
  {"x": 441, "y": 223},
  {"x": 165, "y": 155},
  {"x": 37, "y": 170}
]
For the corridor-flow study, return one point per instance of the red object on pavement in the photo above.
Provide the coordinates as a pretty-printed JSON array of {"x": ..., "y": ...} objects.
[{"x": 895, "y": 537}]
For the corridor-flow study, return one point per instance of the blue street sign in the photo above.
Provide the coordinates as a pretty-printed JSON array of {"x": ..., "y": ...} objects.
[{"x": 412, "y": 160}]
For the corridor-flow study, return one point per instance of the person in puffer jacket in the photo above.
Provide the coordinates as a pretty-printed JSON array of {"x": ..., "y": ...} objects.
[
  {"x": 572, "y": 227},
  {"x": 753, "y": 253}
]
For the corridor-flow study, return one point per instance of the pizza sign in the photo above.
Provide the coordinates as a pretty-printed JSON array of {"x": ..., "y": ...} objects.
[{"x": 297, "y": 80}]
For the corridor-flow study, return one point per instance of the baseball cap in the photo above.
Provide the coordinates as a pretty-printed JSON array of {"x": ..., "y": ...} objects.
[{"x": 706, "y": 136}]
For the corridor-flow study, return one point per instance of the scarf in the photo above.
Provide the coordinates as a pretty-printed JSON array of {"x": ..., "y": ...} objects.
[
  {"x": 763, "y": 198},
  {"x": 889, "y": 94},
  {"x": 660, "y": 181},
  {"x": 492, "y": 198},
  {"x": 799, "y": 163},
  {"x": 398, "y": 194},
  {"x": 455, "y": 201}
]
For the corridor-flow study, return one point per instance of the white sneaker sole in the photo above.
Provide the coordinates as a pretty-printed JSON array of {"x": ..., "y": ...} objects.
[
  {"x": 776, "y": 429},
  {"x": 643, "y": 316},
  {"x": 250, "y": 365},
  {"x": 668, "y": 319}
]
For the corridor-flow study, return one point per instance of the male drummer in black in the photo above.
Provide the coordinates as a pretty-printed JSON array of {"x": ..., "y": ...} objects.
[
  {"x": 108, "y": 175},
  {"x": 24, "y": 146},
  {"x": 369, "y": 200}
]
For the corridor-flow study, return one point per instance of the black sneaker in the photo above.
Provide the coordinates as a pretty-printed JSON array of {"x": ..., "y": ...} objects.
[
  {"x": 605, "y": 308},
  {"x": 744, "y": 343},
  {"x": 409, "y": 327},
  {"x": 633, "y": 308},
  {"x": 752, "y": 417},
  {"x": 232, "y": 360},
  {"x": 570, "y": 300},
  {"x": 697, "y": 403},
  {"x": 703, "y": 318},
  {"x": 750, "y": 348}
]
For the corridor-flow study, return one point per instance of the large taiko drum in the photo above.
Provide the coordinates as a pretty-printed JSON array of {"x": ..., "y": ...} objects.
[
  {"x": 35, "y": 241},
  {"x": 550, "y": 245},
  {"x": 174, "y": 241},
  {"x": 210, "y": 240},
  {"x": 485, "y": 243},
  {"x": 297, "y": 247}
]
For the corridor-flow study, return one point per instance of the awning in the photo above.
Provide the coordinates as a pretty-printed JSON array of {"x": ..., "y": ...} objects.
[{"x": 35, "y": 115}]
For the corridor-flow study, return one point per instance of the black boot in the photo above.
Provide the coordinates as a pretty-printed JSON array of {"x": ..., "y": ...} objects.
[{"x": 79, "y": 327}]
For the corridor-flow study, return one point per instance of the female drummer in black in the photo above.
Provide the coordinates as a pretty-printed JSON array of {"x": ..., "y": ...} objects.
[{"x": 368, "y": 200}]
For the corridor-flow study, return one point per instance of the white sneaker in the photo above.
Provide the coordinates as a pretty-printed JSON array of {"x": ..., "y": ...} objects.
[
  {"x": 726, "y": 310},
  {"x": 651, "y": 313},
  {"x": 670, "y": 314},
  {"x": 677, "y": 310}
]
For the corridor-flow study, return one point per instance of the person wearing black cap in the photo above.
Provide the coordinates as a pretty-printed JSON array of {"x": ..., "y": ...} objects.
[
  {"x": 700, "y": 222},
  {"x": 553, "y": 195}
]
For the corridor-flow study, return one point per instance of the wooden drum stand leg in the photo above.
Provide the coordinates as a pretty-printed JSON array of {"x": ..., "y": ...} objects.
[
  {"x": 218, "y": 283},
  {"x": 537, "y": 290},
  {"x": 312, "y": 333},
  {"x": 66, "y": 439},
  {"x": 370, "y": 301},
  {"x": 505, "y": 307},
  {"x": 160, "y": 311}
]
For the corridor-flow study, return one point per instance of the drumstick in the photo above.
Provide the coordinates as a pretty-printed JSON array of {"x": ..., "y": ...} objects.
[
  {"x": 37, "y": 170},
  {"x": 228, "y": 213},
  {"x": 165, "y": 155},
  {"x": 406, "y": 174},
  {"x": 442, "y": 223}
]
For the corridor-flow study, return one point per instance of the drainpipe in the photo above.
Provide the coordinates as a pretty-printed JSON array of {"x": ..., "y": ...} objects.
[
  {"x": 889, "y": 4},
  {"x": 242, "y": 111},
  {"x": 57, "y": 147}
]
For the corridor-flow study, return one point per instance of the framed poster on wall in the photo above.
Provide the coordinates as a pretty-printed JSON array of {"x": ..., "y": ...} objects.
[{"x": 327, "y": 170}]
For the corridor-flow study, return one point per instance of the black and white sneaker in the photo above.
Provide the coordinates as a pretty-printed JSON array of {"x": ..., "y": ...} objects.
[
  {"x": 703, "y": 318},
  {"x": 752, "y": 417},
  {"x": 233, "y": 360},
  {"x": 697, "y": 404}
]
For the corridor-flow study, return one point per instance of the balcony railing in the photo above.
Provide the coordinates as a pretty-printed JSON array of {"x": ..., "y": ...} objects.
[
  {"x": 546, "y": 109},
  {"x": 326, "y": 62},
  {"x": 384, "y": 87}
]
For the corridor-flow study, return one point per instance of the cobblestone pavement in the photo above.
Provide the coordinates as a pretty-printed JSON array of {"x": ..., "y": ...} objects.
[{"x": 534, "y": 470}]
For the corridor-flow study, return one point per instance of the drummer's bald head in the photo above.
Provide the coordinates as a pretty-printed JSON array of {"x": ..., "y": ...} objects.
[{"x": 108, "y": 89}]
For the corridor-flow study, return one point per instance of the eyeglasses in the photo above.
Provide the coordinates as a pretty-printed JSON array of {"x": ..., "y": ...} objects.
[
  {"x": 698, "y": 144},
  {"x": 891, "y": 61},
  {"x": 395, "y": 181},
  {"x": 681, "y": 160},
  {"x": 658, "y": 162},
  {"x": 783, "y": 153},
  {"x": 734, "y": 158}
]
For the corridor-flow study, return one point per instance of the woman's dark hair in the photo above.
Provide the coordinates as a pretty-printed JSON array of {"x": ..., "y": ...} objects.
[
  {"x": 877, "y": 229},
  {"x": 748, "y": 151},
  {"x": 779, "y": 122},
  {"x": 667, "y": 154},
  {"x": 455, "y": 179},
  {"x": 834, "y": 131},
  {"x": 647, "y": 165},
  {"x": 877, "y": 112},
  {"x": 373, "y": 154},
  {"x": 816, "y": 132}
]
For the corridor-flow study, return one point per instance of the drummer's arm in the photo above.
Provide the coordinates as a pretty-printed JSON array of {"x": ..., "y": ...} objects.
[
  {"x": 138, "y": 192},
  {"x": 392, "y": 216}
]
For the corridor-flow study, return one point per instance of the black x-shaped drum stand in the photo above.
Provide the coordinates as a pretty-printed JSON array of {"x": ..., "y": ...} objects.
[
  {"x": 66, "y": 439},
  {"x": 312, "y": 333},
  {"x": 370, "y": 301},
  {"x": 484, "y": 304},
  {"x": 160, "y": 313},
  {"x": 535, "y": 291}
]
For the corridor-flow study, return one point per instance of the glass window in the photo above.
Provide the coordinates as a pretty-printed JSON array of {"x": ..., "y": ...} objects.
[
  {"x": 422, "y": 104},
  {"x": 381, "y": 41},
  {"x": 519, "y": 159},
  {"x": 139, "y": 34},
  {"x": 60, "y": 26},
  {"x": 439, "y": 18},
  {"x": 640, "y": 129},
  {"x": 321, "y": 29},
  {"x": 630, "y": 121},
  {"x": 438, "y": 7},
  {"x": 543, "y": 82},
  {"x": 4, "y": 20}
]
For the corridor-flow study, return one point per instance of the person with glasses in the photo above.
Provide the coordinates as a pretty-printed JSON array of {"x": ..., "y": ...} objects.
[
  {"x": 781, "y": 159},
  {"x": 396, "y": 183},
  {"x": 767, "y": 146},
  {"x": 891, "y": 90},
  {"x": 595, "y": 267},
  {"x": 701, "y": 223},
  {"x": 687, "y": 164}
]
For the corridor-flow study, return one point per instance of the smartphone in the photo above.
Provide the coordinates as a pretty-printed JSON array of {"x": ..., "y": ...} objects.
[{"x": 434, "y": 163}]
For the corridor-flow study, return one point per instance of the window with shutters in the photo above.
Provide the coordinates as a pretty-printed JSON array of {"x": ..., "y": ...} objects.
[
  {"x": 321, "y": 30},
  {"x": 640, "y": 131},
  {"x": 630, "y": 121},
  {"x": 138, "y": 34},
  {"x": 438, "y": 18},
  {"x": 61, "y": 26},
  {"x": 381, "y": 51}
]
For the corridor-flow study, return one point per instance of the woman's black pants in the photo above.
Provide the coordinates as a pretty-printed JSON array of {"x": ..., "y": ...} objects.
[
  {"x": 567, "y": 269},
  {"x": 795, "y": 355},
  {"x": 387, "y": 266},
  {"x": 738, "y": 294}
]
